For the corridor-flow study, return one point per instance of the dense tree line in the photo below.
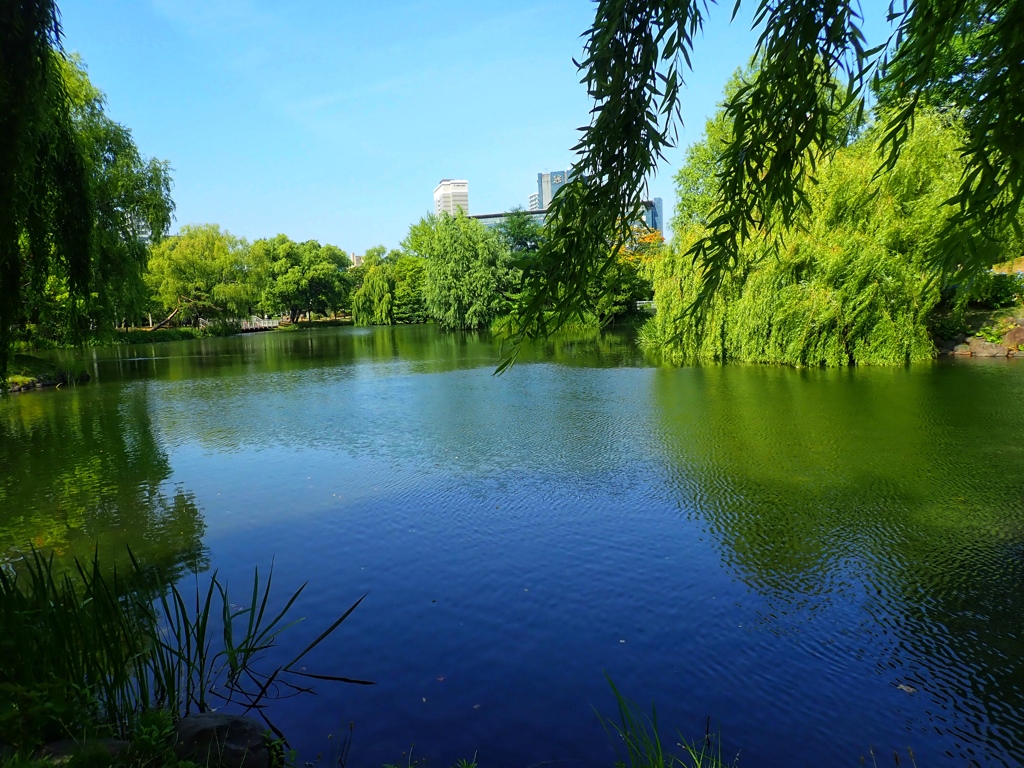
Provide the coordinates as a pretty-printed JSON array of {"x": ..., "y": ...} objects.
[
  {"x": 463, "y": 275},
  {"x": 205, "y": 273},
  {"x": 851, "y": 280},
  {"x": 815, "y": 69}
]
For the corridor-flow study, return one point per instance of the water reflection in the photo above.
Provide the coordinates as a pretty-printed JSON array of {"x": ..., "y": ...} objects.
[
  {"x": 871, "y": 501},
  {"x": 778, "y": 549},
  {"x": 388, "y": 349},
  {"x": 83, "y": 471}
]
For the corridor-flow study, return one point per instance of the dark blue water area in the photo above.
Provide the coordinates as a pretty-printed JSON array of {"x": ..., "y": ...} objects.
[
  {"x": 518, "y": 540},
  {"x": 820, "y": 564}
]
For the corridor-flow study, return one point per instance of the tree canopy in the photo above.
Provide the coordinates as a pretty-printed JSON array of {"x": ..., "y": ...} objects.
[
  {"x": 391, "y": 290},
  {"x": 132, "y": 204},
  {"x": 468, "y": 271},
  {"x": 302, "y": 277},
  {"x": 200, "y": 273},
  {"x": 813, "y": 74},
  {"x": 850, "y": 282},
  {"x": 45, "y": 206},
  {"x": 129, "y": 207}
]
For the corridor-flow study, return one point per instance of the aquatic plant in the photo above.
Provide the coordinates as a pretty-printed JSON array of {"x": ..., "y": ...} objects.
[
  {"x": 639, "y": 744},
  {"x": 88, "y": 651}
]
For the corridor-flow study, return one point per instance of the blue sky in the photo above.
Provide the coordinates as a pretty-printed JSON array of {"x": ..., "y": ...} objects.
[{"x": 335, "y": 120}]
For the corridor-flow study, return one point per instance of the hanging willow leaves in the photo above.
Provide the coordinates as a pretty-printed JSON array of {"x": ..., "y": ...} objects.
[
  {"x": 797, "y": 109},
  {"x": 45, "y": 208}
]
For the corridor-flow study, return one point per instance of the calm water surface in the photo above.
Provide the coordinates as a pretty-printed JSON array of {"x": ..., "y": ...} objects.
[{"x": 777, "y": 550}]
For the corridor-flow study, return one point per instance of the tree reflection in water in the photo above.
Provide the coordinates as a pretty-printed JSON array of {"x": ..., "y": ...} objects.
[
  {"x": 909, "y": 537},
  {"x": 105, "y": 487}
]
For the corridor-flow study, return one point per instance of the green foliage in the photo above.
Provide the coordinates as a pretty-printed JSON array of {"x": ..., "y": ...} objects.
[
  {"x": 995, "y": 331},
  {"x": 391, "y": 290},
  {"x": 137, "y": 336},
  {"x": 46, "y": 211},
  {"x": 852, "y": 282},
  {"x": 67, "y": 291},
  {"x": 373, "y": 303},
  {"x": 627, "y": 278},
  {"x": 996, "y": 290},
  {"x": 639, "y": 745},
  {"x": 795, "y": 111},
  {"x": 25, "y": 368},
  {"x": 201, "y": 273},
  {"x": 132, "y": 206},
  {"x": 520, "y": 232},
  {"x": 468, "y": 271},
  {"x": 152, "y": 739},
  {"x": 300, "y": 277},
  {"x": 410, "y": 275},
  {"x": 88, "y": 652}
]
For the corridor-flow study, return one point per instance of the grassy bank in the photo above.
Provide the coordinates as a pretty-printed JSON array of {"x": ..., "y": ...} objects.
[{"x": 28, "y": 372}]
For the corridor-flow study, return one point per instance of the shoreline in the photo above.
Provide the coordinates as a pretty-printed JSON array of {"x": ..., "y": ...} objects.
[{"x": 30, "y": 373}]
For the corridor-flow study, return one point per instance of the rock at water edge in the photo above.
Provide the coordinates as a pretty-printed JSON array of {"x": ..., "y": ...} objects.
[
  {"x": 222, "y": 741},
  {"x": 1014, "y": 338},
  {"x": 982, "y": 348}
]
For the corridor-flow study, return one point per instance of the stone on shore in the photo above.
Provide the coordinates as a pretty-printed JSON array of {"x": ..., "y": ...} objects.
[
  {"x": 981, "y": 348},
  {"x": 222, "y": 741},
  {"x": 1014, "y": 338}
]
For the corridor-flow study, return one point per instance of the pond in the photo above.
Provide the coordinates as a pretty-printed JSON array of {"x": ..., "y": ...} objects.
[{"x": 821, "y": 562}]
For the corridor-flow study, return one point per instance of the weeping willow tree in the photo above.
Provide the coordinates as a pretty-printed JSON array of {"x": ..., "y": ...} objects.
[
  {"x": 469, "y": 270},
  {"x": 373, "y": 303},
  {"x": 46, "y": 212},
  {"x": 130, "y": 199},
  {"x": 816, "y": 68},
  {"x": 851, "y": 281}
]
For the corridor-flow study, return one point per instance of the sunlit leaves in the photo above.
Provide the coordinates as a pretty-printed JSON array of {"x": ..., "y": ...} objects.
[
  {"x": 468, "y": 271},
  {"x": 852, "y": 281},
  {"x": 45, "y": 206},
  {"x": 201, "y": 273},
  {"x": 804, "y": 101},
  {"x": 300, "y": 277}
]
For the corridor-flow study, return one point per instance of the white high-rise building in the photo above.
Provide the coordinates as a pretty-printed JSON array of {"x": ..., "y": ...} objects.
[{"x": 451, "y": 195}]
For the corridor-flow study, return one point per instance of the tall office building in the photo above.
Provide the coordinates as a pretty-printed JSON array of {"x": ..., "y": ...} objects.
[
  {"x": 535, "y": 202},
  {"x": 547, "y": 185},
  {"x": 653, "y": 215},
  {"x": 450, "y": 195}
]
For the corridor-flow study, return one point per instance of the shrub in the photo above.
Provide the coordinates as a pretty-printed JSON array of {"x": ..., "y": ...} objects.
[{"x": 996, "y": 290}]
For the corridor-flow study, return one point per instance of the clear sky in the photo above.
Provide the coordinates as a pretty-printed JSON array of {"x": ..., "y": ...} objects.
[{"x": 334, "y": 121}]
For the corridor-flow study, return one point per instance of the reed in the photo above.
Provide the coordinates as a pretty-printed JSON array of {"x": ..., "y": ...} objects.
[
  {"x": 639, "y": 744},
  {"x": 86, "y": 652}
]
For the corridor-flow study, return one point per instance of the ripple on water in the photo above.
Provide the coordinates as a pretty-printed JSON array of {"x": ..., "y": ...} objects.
[{"x": 822, "y": 561}]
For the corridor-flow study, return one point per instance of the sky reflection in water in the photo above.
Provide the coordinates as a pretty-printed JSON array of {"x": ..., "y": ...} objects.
[{"x": 779, "y": 550}]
